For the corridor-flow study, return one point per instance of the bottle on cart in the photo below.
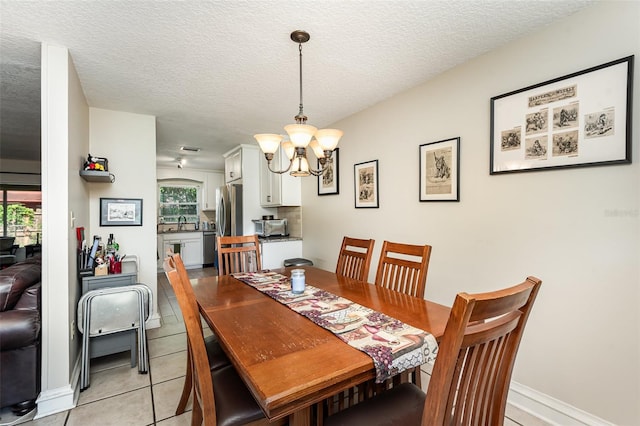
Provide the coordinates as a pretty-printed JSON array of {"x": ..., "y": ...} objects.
[{"x": 112, "y": 246}]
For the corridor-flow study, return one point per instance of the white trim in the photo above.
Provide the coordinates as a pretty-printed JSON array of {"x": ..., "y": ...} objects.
[
  {"x": 549, "y": 409},
  {"x": 154, "y": 321},
  {"x": 61, "y": 399},
  {"x": 54, "y": 401}
]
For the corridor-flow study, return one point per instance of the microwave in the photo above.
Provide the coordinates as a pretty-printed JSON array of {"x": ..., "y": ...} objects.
[{"x": 270, "y": 228}]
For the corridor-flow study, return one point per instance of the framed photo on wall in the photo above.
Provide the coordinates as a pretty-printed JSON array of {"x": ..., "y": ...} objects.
[
  {"x": 440, "y": 170},
  {"x": 366, "y": 184},
  {"x": 329, "y": 181},
  {"x": 120, "y": 212},
  {"x": 579, "y": 120}
]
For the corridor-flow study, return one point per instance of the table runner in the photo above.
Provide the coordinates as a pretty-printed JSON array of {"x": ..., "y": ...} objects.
[{"x": 393, "y": 345}]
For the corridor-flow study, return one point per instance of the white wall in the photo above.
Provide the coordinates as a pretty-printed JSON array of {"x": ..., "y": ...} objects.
[
  {"x": 65, "y": 131},
  {"x": 128, "y": 141},
  {"x": 582, "y": 342}
]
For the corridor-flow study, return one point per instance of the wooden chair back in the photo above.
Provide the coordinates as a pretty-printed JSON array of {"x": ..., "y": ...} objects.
[
  {"x": 354, "y": 259},
  {"x": 238, "y": 254},
  {"x": 204, "y": 409},
  {"x": 472, "y": 372},
  {"x": 403, "y": 267}
]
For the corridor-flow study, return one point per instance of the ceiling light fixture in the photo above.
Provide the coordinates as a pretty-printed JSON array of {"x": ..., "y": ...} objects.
[{"x": 301, "y": 135}]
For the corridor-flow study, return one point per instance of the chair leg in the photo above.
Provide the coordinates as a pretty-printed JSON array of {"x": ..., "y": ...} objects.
[
  {"x": 196, "y": 416},
  {"x": 186, "y": 389},
  {"x": 417, "y": 377},
  {"x": 320, "y": 413}
]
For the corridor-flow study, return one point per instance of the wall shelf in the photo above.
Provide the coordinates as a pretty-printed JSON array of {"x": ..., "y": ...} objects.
[{"x": 97, "y": 176}]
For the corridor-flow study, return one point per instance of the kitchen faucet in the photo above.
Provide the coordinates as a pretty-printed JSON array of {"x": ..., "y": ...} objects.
[{"x": 182, "y": 220}]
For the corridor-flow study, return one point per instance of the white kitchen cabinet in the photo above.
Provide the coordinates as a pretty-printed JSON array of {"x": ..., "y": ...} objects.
[
  {"x": 213, "y": 181},
  {"x": 192, "y": 251},
  {"x": 233, "y": 166},
  {"x": 274, "y": 253},
  {"x": 279, "y": 189},
  {"x": 188, "y": 244}
]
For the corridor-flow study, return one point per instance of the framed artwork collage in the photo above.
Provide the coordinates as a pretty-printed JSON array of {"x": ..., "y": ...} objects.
[{"x": 578, "y": 120}]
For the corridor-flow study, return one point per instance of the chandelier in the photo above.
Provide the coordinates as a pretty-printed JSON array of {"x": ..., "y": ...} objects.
[{"x": 301, "y": 136}]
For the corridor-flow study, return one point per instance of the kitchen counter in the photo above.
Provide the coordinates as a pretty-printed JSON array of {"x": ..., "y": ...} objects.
[
  {"x": 189, "y": 231},
  {"x": 176, "y": 231},
  {"x": 278, "y": 239}
]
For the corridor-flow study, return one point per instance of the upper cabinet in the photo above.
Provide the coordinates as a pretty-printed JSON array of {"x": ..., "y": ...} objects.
[
  {"x": 278, "y": 189},
  {"x": 233, "y": 166},
  {"x": 213, "y": 181}
]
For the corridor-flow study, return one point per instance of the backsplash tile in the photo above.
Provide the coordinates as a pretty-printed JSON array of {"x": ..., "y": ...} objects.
[{"x": 294, "y": 219}]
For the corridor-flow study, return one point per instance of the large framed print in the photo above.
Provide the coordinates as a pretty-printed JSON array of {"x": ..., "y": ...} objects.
[
  {"x": 120, "y": 212},
  {"x": 329, "y": 181},
  {"x": 440, "y": 170},
  {"x": 366, "y": 184},
  {"x": 579, "y": 120}
]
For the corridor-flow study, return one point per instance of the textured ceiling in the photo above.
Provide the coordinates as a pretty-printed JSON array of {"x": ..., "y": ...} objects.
[{"x": 216, "y": 72}]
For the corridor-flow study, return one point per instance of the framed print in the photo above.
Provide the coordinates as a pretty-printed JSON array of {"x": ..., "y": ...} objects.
[
  {"x": 579, "y": 120},
  {"x": 366, "y": 184},
  {"x": 120, "y": 212},
  {"x": 329, "y": 181},
  {"x": 440, "y": 170}
]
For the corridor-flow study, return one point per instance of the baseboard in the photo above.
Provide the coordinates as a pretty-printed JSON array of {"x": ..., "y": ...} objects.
[
  {"x": 61, "y": 399},
  {"x": 154, "y": 321},
  {"x": 54, "y": 401},
  {"x": 549, "y": 409}
]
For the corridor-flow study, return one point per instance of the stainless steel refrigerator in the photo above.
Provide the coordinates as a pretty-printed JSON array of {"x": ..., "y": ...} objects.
[{"x": 229, "y": 210}]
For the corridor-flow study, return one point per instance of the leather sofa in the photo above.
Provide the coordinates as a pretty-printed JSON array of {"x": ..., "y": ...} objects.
[{"x": 20, "y": 320}]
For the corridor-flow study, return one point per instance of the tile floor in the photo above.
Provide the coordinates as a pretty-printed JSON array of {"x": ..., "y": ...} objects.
[{"x": 118, "y": 395}]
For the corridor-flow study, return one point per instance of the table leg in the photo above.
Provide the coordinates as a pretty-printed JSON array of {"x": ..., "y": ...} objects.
[{"x": 301, "y": 417}]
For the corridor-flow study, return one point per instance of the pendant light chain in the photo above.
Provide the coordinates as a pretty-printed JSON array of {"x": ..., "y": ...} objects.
[{"x": 300, "y": 118}]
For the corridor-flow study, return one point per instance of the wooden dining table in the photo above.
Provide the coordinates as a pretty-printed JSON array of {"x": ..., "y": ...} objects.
[{"x": 288, "y": 362}]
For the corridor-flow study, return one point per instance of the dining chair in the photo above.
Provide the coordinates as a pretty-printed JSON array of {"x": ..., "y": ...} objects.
[
  {"x": 354, "y": 259},
  {"x": 472, "y": 371},
  {"x": 220, "y": 395},
  {"x": 217, "y": 357},
  {"x": 403, "y": 267},
  {"x": 238, "y": 254}
]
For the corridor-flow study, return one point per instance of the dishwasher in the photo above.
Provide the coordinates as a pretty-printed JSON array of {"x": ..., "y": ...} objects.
[{"x": 209, "y": 254}]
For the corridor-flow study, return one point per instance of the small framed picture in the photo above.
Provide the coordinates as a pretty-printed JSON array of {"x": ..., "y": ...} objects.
[
  {"x": 440, "y": 170},
  {"x": 120, "y": 212},
  {"x": 329, "y": 181},
  {"x": 366, "y": 184}
]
